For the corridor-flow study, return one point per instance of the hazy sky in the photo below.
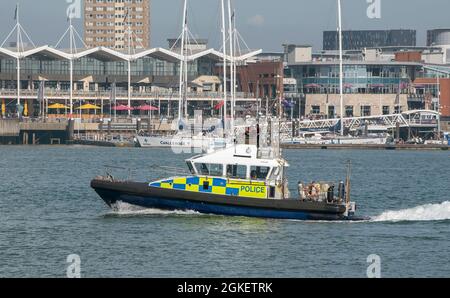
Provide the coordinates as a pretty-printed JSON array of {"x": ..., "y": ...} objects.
[{"x": 264, "y": 24}]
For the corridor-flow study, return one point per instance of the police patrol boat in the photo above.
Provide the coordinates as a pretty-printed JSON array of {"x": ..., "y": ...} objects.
[{"x": 240, "y": 180}]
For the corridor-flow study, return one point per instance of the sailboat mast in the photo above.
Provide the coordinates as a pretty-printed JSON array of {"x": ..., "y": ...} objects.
[
  {"x": 341, "y": 68},
  {"x": 18, "y": 59},
  {"x": 234, "y": 65},
  {"x": 439, "y": 105},
  {"x": 185, "y": 83},
  {"x": 224, "y": 45},
  {"x": 130, "y": 41},
  {"x": 71, "y": 37},
  {"x": 233, "y": 84},
  {"x": 182, "y": 61}
]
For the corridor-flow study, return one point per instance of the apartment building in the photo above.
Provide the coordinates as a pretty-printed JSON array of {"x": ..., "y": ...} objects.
[{"x": 117, "y": 24}]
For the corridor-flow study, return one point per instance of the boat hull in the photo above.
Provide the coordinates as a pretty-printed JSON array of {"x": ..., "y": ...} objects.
[
  {"x": 339, "y": 141},
  {"x": 179, "y": 142},
  {"x": 163, "y": 142},
  {"x": 140, "y": 194}
]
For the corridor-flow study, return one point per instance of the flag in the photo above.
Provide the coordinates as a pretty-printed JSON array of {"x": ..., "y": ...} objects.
[
  {"x": 73, "y": 11},
  {"x": 3, "y": 108},
  {"x": 113, "y": 93},
  {"x": 219, "y": 105},
  {"x": 40, "y": 96},
  {"x": 397, "y": 97},
  {"x": 287, "y": 104},
  {"x": 16, "y": 12}
]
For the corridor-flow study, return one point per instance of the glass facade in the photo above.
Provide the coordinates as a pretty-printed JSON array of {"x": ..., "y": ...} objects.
[
  {"x": 355, "y": 40},
  {"x": 358, "y": 78},
  {"x": 87, "y": 66}
]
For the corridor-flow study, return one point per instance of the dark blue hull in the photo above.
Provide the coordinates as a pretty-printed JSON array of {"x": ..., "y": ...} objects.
[
  {"x": 139, "y": 194},
  {"x": 207, "y": 208}
]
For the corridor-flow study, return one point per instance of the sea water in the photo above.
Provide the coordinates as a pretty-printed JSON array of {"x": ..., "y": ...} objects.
[{"x": 48, "y": 211}]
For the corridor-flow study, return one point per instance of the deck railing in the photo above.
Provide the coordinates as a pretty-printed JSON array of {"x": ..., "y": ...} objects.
[{"x": 120, "y": 95}]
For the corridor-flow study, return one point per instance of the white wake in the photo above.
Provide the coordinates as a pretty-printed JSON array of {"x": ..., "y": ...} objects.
[
  {"x": 121, "y": 208},
  {"x": 429, "y": 212}
]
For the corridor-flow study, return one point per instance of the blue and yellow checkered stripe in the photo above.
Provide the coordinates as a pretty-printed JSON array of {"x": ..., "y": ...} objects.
[{"x": 217, "y": 186}]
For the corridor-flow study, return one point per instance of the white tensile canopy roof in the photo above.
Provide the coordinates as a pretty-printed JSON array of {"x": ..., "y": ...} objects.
[
  {"x": 106, "y": 54},
  {"x": 5, "y": 54}
]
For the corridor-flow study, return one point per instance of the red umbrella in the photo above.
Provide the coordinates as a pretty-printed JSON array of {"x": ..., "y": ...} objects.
[
  {"x": 377, "y": 85},
  {"x": 312, "y": 86},
  {"x": 219, "y": 105},
  {"x": 123, "y": 108},
  {"x": 147, "y": 108}
]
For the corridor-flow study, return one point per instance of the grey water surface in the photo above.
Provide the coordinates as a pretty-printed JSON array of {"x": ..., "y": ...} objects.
[{"x": 48, "y": 211}]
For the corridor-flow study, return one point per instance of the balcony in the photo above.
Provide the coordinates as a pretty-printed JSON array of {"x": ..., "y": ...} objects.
[{"x": 54, "y": 94}]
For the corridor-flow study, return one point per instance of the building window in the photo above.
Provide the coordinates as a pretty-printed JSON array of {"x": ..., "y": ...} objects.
[
  {"x": 365, "y": 111},
  {"x": 386, "y": 110},
  {"x": 315, "y": 110},
  {"x": 331, "y": 112},
  {"x": 349, "y": 111}
]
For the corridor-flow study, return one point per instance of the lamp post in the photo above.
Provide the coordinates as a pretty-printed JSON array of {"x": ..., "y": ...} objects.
[
  {"x": 278, "y": 94},
  {"x": 439, "y": 106}
]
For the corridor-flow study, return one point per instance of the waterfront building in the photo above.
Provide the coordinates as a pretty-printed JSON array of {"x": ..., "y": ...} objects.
[
  {"x": 377, "y": 81},
  {"x": 437, "y": 37},
  {"x": 440, "y": 38},
  {"x": 263, "y": 76},
  {"x": 380, "y": 80},
  {"x": 360, "y": 39},
  {"x": 106, "y": 23},
  {"x": 154, "y": 78}
]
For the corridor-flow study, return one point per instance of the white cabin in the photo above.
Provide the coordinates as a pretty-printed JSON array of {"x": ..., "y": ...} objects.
[{"x": 246, "y": 163}]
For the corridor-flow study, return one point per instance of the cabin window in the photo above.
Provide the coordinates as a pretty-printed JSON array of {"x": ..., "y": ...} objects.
[
  {"x": 191, "y": 167},
  {"x": 216, "y": 170},
  {"x": 275, "y": 173},
  {"x": 259, "y": 173},
  {"x": 237, "y": 171},
  {"x": 272, "y": 192},
  {"x": 211, "y": 169}
]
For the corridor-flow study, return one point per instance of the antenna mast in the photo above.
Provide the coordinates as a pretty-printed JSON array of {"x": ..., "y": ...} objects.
[
  {"x": 341, "y": 68},
  {"x": 232, "y": 64},
  {"x": 183, "y": 65},
  {"x": 224, "y": 47}
]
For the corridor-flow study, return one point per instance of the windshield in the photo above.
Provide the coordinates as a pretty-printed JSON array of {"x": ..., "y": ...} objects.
[
  {"x": 237, "y": 171},
  {"x": 210, "y": 169},
  {"x": 191, "y": 167},
  {"x": 259, "y": 173}
]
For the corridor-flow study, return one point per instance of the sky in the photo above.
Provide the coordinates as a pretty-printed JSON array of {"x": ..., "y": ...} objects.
[{"x": 263, "y": 24}]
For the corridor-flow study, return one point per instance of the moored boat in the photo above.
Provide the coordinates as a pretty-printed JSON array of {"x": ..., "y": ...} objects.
[{"x": 202, "y": 142}]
